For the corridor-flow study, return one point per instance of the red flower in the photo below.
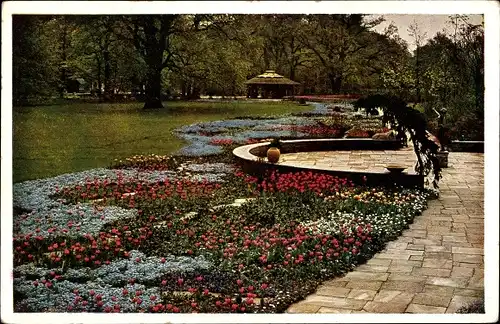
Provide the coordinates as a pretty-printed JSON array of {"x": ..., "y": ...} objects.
[{"x": 180, "y": 281}]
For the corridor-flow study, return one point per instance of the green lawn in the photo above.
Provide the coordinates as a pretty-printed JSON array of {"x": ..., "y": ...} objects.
[{"x": 52, "y": 140}]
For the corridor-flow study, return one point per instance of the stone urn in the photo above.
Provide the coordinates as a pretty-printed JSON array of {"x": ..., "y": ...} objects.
[
  {"x": 442, "y": 157},
  {"x": 273, "y": 154}
]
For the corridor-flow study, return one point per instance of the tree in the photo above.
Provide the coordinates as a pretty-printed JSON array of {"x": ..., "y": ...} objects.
[
  {"x": 32, "y": 74},
  {"x": 97, "y": 37},
  {"x": 418, "y": 40},
  {"x": 344, "y": 46},
  {"x": 152, "y": 36}
]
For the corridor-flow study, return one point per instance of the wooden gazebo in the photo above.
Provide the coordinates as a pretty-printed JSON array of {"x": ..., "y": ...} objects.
[{"x": 270, "y": 85}]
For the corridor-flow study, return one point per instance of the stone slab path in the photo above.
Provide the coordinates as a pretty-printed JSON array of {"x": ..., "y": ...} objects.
[{"x": 436, "y": 266}]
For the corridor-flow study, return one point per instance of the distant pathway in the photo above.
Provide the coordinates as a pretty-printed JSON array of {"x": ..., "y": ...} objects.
[{"x": 436, "y": 266}]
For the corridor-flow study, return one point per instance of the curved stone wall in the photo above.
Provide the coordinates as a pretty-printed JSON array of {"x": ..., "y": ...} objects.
[{"x": 253, "y": 160}]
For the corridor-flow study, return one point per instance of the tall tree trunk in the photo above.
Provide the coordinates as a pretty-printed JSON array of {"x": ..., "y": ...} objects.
[
  {"x": 153, "y": 90},
  {"x": 99, "y": 79},
  {"x": 335, "y": 82},
  {"x": 107, "y": 77},
  {"x": 64, "y": 45}
]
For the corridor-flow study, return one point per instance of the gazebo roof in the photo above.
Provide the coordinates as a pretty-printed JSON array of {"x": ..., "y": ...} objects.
[{"x": 271, "y": 77}]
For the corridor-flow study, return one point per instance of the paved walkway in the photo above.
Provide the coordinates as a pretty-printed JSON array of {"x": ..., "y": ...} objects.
[{"x": 436, "y": 266}]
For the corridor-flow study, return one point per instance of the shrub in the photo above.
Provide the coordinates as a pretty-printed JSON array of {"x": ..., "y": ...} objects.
[{"x": 474, "y": 307}]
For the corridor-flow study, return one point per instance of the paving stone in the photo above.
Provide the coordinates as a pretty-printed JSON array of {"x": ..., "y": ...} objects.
[
  {"x": 413, "y": 263},
  {"x": 460, "y": 250},
  {"x": 367, "y": 276},
  {"x": 400, "y": 269},
  {"x": 450, "y": 282},
  {"x": 335, "y": 302},
  {"x": 458, "y": 272},
  {"x": 382, "y": 262},
  {"x": 437, "y": 263},
  {"x": 479, "y": 271},
  {"x": 396, "y": 245},
  {"x": 415, "y": 233},
  {"x": 403, "y": 252},
  {"x": 388, "y": 308},
  {"x": 407, "y": 286},
  {"x": 335, "y": 283},
  {"x": 362, "y": 294},
  {"x": 407, "y": 277},
  {"x": 431, "y": 299},
  {"x": 415, "y": 247},
  {"x": 437, "y": 255},
  {"x": 364, "y": 284},
  {"x": 394, "y": 296},
  {"x": 477, "y": 281},
  {"x": 302, "y": 307},
  {"x": 454, "y": 238},
  {"x": 439, "y": 290},
  {"x": 467, "y": 258},
  {"x": 449, "y": 245},
  {"x": 329, "y": 310},
  {"x": 372, "y": 268},
  {"x": 424, "y": 309},
  {"x": 434, "y": 272},
  {"x": 469, "y": 292},
  {"x": 416, "y": 257},
  {"x": 436, "y": 237},
  {"x": 333, "y": 291},
  {"x": 458, "y": 225},
  {"x": 469, "y": 265},
  {"x": 385, "y": 296},
  {"x": 436, "y": 248},
  {"x": 458, "y": 302},
  {"x": 426, "y": 242}
]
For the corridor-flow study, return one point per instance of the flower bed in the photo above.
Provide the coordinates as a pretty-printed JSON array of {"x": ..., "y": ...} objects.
[{"x": 181, "y": 246}]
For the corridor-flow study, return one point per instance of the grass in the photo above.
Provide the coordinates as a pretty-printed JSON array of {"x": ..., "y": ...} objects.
[{"x": 52, "y": 140}]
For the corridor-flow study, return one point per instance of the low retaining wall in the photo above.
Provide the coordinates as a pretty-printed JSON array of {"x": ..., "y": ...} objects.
[
  {"x": 318, "y": 145},
  {"x": 253, "y": 160},
  {"x": 467, "y": 146}
]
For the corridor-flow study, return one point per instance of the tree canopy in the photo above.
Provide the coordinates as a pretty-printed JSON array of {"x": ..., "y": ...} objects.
[{"x": 156, "y": 56}]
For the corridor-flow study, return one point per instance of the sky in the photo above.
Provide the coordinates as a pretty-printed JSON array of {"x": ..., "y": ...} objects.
[{"x": 430, "y": 24}]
